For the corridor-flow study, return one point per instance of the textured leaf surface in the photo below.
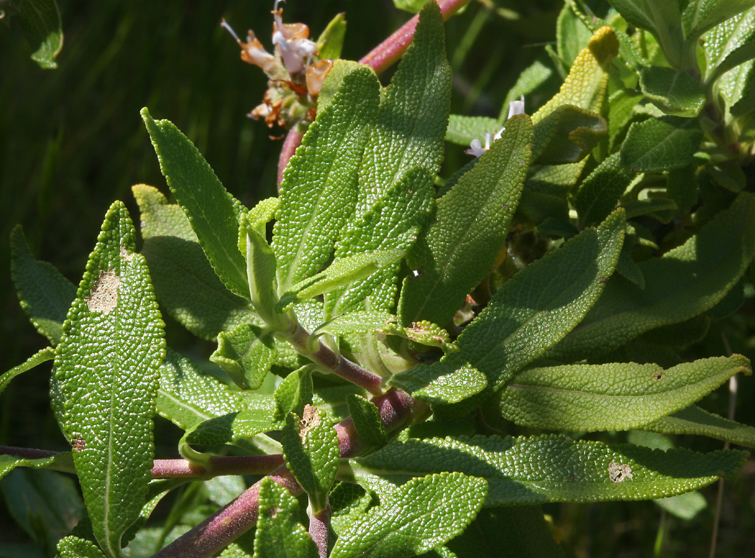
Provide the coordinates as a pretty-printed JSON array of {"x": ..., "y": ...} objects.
[
  {"x": 357, "y": 322},
  {"x": 293, "y": 394},
  {"x": 463, "y": 129},
  {"x": 44, "y": 293},
  {"x": 262, "y": 270},
  {"x": 33, "y": 361},
  {"x": 40, "y": 22},
  {"x": 567, "y": 135},
  {"x": 539, "y": 469},
  {"x": 661, "y": 144},
  {"x": 310, "y": 445},
  {"x": 531, "y": 312},
  {"x": 674, "y": 92},
  {"x": 74, "y": 547},
  {"x": 367, "y": 420},
  {"x": 107, "y": 365},
  {"x": 318, "y": 191},
  {"x": 599, "y": 193},
  {"x": 419, "y": 516},
  {"x": 279, "y": 534},
  {"x": 185, "y": 283},
  {"x": 521, "y": 530},
  {"x": 616, "y": 396},
  {"x": 212, "y": 211},
  {"x": 701, "y": 15},
  {"x": 697, "y": 421},
  {"x": 469, "y": 229},
  {"x": 246, "y": 353},
  {"x": 255, "y": 417},
  {"x": 685, "y": 282},
  {"x": 729, "y": 44},
  {"x": 60, "y": 462}
]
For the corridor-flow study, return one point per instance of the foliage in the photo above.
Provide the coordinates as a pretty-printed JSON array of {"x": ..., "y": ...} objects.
[{"x": 390, "y": 343}]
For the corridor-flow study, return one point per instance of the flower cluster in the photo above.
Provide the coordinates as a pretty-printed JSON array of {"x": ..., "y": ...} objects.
[
  {"x": 295, "y": 71},
  {"x": 476, "y": 148}
]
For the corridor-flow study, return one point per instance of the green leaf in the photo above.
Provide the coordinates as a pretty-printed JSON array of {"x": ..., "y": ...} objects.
[
  {"x": 463, "y": 129},
  {"x": 680, "y": 334},
  {"x": 59, "y": 462},
  {"x": 418, "y": 516},
  {"x": 342, "y": 272},
  {"x": 521, "y": 530},
  {"x": 530, "y": 313},
  {"x": 411, "y": 6},
  {"x": 567, "y": 135},
  {"x": 311, "y": 448},
  {"x": 107, "y": 364},
  {"x": 585, "y": 86},
  {"x": 367, "y": 421},
  {"x": 463, "y": 240},
  {"x": 572, "y": 36},
  {"x": 685, "y": 282},
  {"x": 357, "y": 322},
  {"x": 599, "y": 193},
  {"x": 696, "y": 421},
  {"x": 539, "y": 469},
  {"x": 212, "y": 211},
  {"x": 279, "y": 534},
  {"x": 446, "y": 383},
  {"x": 700, "y": 15},
  {"x": 74, "y": 547},
  {"x": 293, "y": 394},
  {"x": 185, "y": 283},
  {"x": 681, "y": 185},
  {"x": 40, "y": 23},
  {"x": 621, "y": 110},
  {"x": 661, "y": 144},
  {"x": 319, "y": 185},
  {"x": 729, "y": 44},
  {"x": 246, "y": 353},
  {"x": 255, "y": 417},
  {"x": 684, "y": 506},
  {"x": 616, "y": 396},
  {"x": 45, "y": 295},
  {"x": 659, "y": 208},
  {"x": 48, "y": 353},
  {"x": 330, "y": 41},
  {"x": 673, "y": 91}
]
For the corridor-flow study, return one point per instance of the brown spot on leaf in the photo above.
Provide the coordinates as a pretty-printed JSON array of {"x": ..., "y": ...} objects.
[
  {"x": 659, "y": 375},
  {"x": 308, "y": 421},
  {"x": 104, "y": 294},
  {"x": 126, "y": 255},
  {"x": 78, "y": 443},
  {"x": 618, "y": 472}
]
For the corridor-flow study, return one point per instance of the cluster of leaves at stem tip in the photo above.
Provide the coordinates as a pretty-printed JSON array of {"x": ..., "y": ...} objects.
[{"x": 375, "y": 348}]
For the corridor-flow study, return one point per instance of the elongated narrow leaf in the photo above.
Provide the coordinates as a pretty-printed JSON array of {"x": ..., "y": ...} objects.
[
  {"x": 469, "y": 229},
  {"x": 107, "y": 365},
  {"x": 58, "y": 462},
  {"x": 521, "y": 531},
  {"x": 463, "y": 129},
  {"x": 40, "y": 23},
  {"x": 674, "y": 92},
  {"x": 255, "y": 417},
  {"x": 311, "y": 448},
  {"x": 279, "y": 533},
  {"x": 616, "y": 396},
  {"x": 33, "y": 361},
  {"x": 533, "y": 311},
  {"x": 367, "y": 420},
  {"x": 701, "y": 15},
  {"x": 729, "y": 44},
  {"x": 585, "y": 86},
  {"x": 599, "y": 193},
  {"x": 567, "y": 135},
  {"x": 212, "y": 211},
  {"x": 357, "y": 322},
  {"x": 697, "y": 421},
  {"x": 185, "y": 283},
  {"x": 539, "y": 469},
  {"x": 246, "y": 353},
  {"x": 319, "y": 185},
  {"x": 417, "y": 517},
  {"x": 656, "y": 144},
  {"x": 683, "y": 283},
  {"x": 293, "y": 394},
  {"x": 44, "y": 293}
]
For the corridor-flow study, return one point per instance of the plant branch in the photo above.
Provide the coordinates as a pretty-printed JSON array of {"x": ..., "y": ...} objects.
[
  {"x": 397, "y": 408},
  {"x": 319, "y": 523},
  {"x": 292, "y": 141}
]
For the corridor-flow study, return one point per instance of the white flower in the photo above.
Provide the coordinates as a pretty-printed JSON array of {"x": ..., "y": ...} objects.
[{"x": 476, "y": 148}]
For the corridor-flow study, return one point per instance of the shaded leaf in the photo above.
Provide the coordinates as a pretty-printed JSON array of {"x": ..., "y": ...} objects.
[
  {"x": 246, "y": 353},
  {"x": 40, "y": 23},
  {"x": 697, "y": 421},
  {"x": 279, "y": 534},
  {"x": 661, "y": 144},
  {"x": 673, "y": 91}
]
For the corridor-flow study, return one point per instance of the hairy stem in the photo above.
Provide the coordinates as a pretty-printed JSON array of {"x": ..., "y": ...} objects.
[
  {"x": 319, "y": 523},
  {"x": 219, "y": 530}
]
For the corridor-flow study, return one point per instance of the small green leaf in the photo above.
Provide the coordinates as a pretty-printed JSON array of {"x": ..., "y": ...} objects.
[
  {"x": 572, "y": 36},
  {"x": 311, "y": 448},
  {"x": 357, "y": 322},
  {"x": 700, "y": 15},
  {"x": 59, "y": 462},
  {"x": 567, "y": 135},
  {"x": 434, "y": 384},
  {"x": 293, "y": 394},
  {"x": 342, "y": 272},
  {"x": 255, "y": 417},
  {"x": 469, "y": 229},
  {"x": 696, "y": 421},
  {"x": 673, "y": 91},
  {"x": 463, "y": 129},
  {"x": 411, "y": 6},
  {"x": 279, "y": 534},
  {"x": 684, "y": 506},
  {"x": 107, "y": 364},
  {"x": 532, "y": 311},
  {"x": 539, "y": 469},
  {"x": 599, "y": 193},
  {"x": 330, "y": 41},
  {"x": 424, "y": 333},
  {"x": 685, "y": 282},
  {"x": 659, "y": 208},
  {"x": 74, "y": 547},
  {"x": 246, "y": 353},
  {"x": 45, "y": 295},
  {"x": 367, "y": 421},
  {"x": 319, "y": 185},
  {"x": 661, "y": 144},
  {"x": 40, "y": 23},
  {"x": 418, "y": 516},
  {"x": 48, "y": 353},
  {"x": 212, "y": 211},
  {"x": 185, "y": 283},
  {"x": 621, "y": 110},
  {"x": 616, "y": 396}
]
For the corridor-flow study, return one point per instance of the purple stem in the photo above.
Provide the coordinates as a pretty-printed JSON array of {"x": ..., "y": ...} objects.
[
  {"x": 27, "y": 453},
  {"x": 219, "y": 530},
  {"x": 319, "y": 523},
  {"x": 293, "y": 140}
]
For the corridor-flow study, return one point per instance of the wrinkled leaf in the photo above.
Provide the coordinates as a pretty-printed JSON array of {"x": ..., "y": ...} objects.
[
  {"x": 246, "y": 353},
  {"x": 367, "y": 421},
  {"x": 673, "y": 91},
  {"x": 697, "y": 421},
  {"x": 279, "y": 534},
  {"x": 658, "y": 144}
]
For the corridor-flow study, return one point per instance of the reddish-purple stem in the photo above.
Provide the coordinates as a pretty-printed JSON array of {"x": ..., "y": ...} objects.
[
  {"x": 222, "y": 528},
  {"x": 27, "y": 453},
  {"x": 292, "y": 141},
  {"x": 318, "y": 529}
]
